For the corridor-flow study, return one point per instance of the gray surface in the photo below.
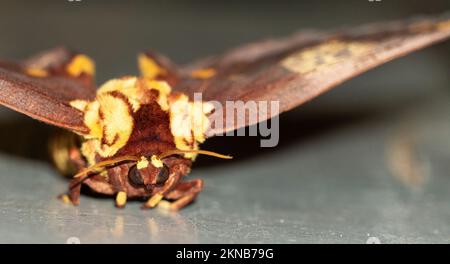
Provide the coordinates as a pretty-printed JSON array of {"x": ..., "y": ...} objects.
[
  {"x": 332, "y": 188},
  {"x": 331, "y": 179}
]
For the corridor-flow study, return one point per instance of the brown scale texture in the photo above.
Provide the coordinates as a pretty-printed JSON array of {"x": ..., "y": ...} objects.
[{"x": 151, "y": 133}]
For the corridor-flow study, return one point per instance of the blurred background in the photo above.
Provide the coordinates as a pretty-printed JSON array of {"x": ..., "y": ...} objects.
[{"x": 368, "y": 161}]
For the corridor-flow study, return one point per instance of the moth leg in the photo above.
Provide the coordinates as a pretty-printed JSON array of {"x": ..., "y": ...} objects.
[
  {"x": 74, "y": 185},
  {"x": 121, "y": 199},
  {"x": 115, "y": 177},
  {"x": 183, "y": 194},
  {"x": 74, "y": 191}
]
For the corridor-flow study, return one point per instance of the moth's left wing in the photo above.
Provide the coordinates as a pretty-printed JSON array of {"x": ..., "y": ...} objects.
[
  {"x": 296, "y": 69},
  {"x": 43, "y": 86}
]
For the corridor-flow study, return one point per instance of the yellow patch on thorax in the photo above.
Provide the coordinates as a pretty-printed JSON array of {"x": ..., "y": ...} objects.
[
  {"x": 324, "y": 55},
  {"x": 117, "y": 123},
  {"x": 110, "y": 116},
  {"x": 126, "y": 86},
  {"x": 188, "y": 123},
  {"x": 81, "y": 64},
  {"x": 164, "y": 91}
]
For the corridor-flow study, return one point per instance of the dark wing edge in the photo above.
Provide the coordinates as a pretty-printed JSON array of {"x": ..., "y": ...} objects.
[
  {"x": 296, "y": 69},
  {"x": 43, "y": 86}
]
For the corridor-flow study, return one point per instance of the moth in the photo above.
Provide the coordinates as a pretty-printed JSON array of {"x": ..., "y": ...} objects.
[{"x": 130, "y": 138}]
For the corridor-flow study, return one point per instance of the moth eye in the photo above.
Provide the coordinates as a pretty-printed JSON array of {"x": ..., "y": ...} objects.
[
  {"x": 163, "y": 175},
  {"x": 135, "y": 176}
]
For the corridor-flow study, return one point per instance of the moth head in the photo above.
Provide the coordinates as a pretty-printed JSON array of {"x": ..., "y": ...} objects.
[
  {"x": 145, "y": 171},
  {"x": 148, "y": 172}
]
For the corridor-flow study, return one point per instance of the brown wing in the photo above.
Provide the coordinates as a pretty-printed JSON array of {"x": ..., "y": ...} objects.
[
  {"x": 298, "y": 68},
  {"x": 42, "y": 87}
]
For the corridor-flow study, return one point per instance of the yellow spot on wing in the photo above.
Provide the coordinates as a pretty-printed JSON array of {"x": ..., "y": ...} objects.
[
  {"x": 149, "y": 68},
  {"x": 81, "y": 64},
  {"x": 324, "y": 55},
  {"x": 36, "y": 72},
  {"x": 203, "y": 73},
  {"x": 445, "y": 25}
]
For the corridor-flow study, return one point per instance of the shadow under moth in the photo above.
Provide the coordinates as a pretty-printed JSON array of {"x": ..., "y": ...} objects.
[{"x": 131, "y": 138}]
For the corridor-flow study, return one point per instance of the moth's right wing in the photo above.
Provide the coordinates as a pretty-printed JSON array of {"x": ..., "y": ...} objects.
[
  {"x": 43, "y": 86},
  {"x": 296, "y": 69}
]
